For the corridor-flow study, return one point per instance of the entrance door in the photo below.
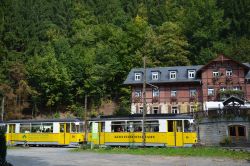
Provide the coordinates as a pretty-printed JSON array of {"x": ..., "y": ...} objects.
[
  {"x": 175, "y": 133},
  {"x": 237, "y": 133},
  {"x": 64, "y": 133}
]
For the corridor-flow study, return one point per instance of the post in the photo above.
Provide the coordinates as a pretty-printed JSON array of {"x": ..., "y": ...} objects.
[
  {"x": 85, "y": 119},
  {"x": 2, "y": 105},
  {"x": 144, "y": 103}
]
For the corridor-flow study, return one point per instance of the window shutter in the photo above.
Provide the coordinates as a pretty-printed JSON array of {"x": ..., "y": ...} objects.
[
  {"x": 179, "y": 108},
  {"x": 137, "y": 109},
  {"x": 159, "y": 109},
  {"x": 169, "y": 109},
  {"x": 188, "y": 109}
]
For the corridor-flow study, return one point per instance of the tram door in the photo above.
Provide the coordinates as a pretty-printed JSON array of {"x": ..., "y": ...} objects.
[
  {"x": 175, "y": 133},
  {"x": 11, "y": 132},
  {"x": 65, "y": 133}
]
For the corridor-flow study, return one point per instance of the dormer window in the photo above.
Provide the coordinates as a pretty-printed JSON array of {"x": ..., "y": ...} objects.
[
  {"x": 216, "y": 74},
  {"x": 155, "y": 75},
  {"x": 137, "y": 76},
  {"x": 229, "y": 73},
  {"x": 172, "y": 75},
  {"x": 191, "y": 73}
]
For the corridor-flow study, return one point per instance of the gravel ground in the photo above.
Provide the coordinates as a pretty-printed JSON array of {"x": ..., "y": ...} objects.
[{"x": 37, "y": 156}]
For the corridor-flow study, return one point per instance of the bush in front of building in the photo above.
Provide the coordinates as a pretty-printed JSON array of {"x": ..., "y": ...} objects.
[{"x": 226, "y": 142}]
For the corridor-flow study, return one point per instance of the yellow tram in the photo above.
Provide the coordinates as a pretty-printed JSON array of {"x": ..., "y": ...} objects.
[
  {"x": 45, "y": 132},
  {"x": 161, "y": 130}
]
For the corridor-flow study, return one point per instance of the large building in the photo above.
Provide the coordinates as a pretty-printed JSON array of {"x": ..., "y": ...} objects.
[{"x": 185, "y": 89}]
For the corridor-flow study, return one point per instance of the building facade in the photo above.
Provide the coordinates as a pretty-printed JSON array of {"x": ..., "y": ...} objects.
[{"x": 185, "y": 89}]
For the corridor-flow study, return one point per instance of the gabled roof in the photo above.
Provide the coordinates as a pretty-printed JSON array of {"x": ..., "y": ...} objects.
[
  {"x": 248, "y": 74},
  {"x": 233, "y": 99},
  {"x": 181, "y": 71},
  {"x": 224, "y": 58}
]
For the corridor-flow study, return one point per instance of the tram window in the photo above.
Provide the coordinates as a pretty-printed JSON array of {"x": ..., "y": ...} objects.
[
  {"x": 61, "y": 127},
  {"x": 81, "y": 128},
  {"x": 74, "y": 128},
  {"x": 90, "y": 127},
  {"x": 134, "y": 126},
  {"x": 188, "y": 127},
  {"x": 118, "y": 126},
  {"x": 152, "y": 126},
  {"x": 12, "y": 128},
  {"x": 179, "y": 126},
  {"x": 47, "y": 127},
  {"x": 170, "y": 126},
  {"x": 67, "y": 127},
  {"x": 102, "y": 127},
  {"x": 36, "y": 128},
  {"x": 24, "y": 128}
]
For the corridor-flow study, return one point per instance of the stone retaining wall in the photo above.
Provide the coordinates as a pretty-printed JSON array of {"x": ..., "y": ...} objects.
[{"x": 212, "y": 132}]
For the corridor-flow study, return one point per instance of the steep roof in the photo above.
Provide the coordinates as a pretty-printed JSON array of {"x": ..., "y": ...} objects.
[
  {"x": 248, "y": 74},
  {"x": 181, "y": 71}
]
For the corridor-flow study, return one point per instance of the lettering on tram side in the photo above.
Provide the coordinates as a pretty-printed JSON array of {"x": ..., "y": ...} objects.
[{"x": 132, "y": 136}]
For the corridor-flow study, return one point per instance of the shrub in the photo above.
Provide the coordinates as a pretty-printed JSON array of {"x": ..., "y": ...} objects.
[{"x": 226, "y": 142}]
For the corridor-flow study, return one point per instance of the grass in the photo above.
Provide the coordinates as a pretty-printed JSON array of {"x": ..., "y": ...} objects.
[{"x": 186, "y": 152}]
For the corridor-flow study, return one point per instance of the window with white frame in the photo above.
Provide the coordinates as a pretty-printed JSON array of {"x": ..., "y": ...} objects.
[
  {"x": 175, "y": 110},
  {"x": 223, "y": 88},
  {"x": 138, "y": 76},
  {"x": 156, "y": 92},
  {"x": 210, "y": 91},
  {"x": 216, "y": 74},
  {"x": 155, "y": 110},
  {"x": 229, "y": 73},
  {"x": 236, "y": 88},
  {"x": 172, "y": 75},
  {"x": 140, "y": 110},
  {"x": 191, "y": 73},
  {"x": 137, "y": 93},
  {"x": 173, "y": 93},
  {"x": 155, "y": 75},
  {"x": 193, "y": 92}
]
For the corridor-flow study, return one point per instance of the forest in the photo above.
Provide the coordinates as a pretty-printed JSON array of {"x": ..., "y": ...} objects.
[{"x": 54, "y": 52}]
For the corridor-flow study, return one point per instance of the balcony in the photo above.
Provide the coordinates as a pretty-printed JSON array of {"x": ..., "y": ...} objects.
[
  {"x": 173, "y": 98},
  {"x": 137, "y": 99},
  {"x": 193, "y": 98},
  {"x": 155, "y": 99}
]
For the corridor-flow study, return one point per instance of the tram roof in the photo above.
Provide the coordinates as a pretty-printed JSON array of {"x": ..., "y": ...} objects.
[
  {"x": 44, "y": 120},
  {"x": 139, "y": 117}
]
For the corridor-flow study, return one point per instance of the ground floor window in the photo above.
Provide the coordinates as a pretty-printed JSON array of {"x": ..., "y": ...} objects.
[
  {"x": 155, "y": 110},
  {"x": 175, "y": 110}
]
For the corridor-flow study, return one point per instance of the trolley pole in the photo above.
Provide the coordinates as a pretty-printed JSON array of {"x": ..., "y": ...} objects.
[
  {"x": 144, "y": 104},
  {"x": 85, "y": 119}
]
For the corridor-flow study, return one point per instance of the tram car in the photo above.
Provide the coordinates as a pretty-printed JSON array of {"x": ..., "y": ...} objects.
[
  {"x": 58, "y": 132},
  {"x": 160, "y": 130}
]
